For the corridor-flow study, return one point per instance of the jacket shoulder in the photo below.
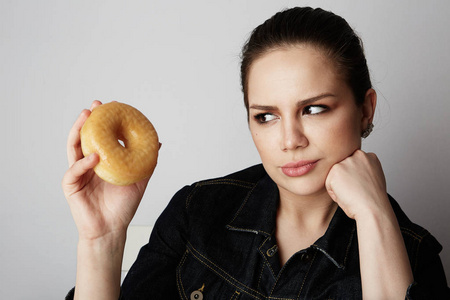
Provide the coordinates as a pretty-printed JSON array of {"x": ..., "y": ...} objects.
[
  {"x": 411, "y": 230},
  {"x": 231, "y": 187},
  {"x": 246, "y": 177},
  {"x": 420, "y": 244},
  {"x": 423, "y": 252},
  {"x": 212, "y": 203}
]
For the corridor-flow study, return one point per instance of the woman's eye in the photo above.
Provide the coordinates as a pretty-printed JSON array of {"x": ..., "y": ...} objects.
[
  {"x": 264, "y": 118},
  {"x": 314, "y": 109}
]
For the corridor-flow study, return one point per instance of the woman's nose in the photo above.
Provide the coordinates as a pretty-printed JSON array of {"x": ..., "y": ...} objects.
[{"x": 293, "y": 136}]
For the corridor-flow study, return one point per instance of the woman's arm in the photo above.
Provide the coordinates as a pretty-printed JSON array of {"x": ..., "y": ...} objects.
[
  {"x": 384, "y": 263},
  {"x": 358, "y": 185},
  {"x": 99, "y": 265},
  {"x": 102, "y": 213}
]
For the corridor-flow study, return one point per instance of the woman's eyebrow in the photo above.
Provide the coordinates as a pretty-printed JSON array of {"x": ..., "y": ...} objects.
[
  {"x": 313, "y": 99},
  {"x": 263, "y": 107},
  {"x": 300, "y": 103}
]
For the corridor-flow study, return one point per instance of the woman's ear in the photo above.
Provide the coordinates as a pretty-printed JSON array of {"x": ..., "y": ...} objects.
[{"x": 368, "y": 108}]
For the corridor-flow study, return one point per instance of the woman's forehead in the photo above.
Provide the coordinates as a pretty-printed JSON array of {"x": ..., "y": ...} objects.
[{"x": 305, "y": 71}]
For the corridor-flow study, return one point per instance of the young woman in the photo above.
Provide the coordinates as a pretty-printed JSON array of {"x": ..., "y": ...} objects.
[{"x": 314, "y": 221}]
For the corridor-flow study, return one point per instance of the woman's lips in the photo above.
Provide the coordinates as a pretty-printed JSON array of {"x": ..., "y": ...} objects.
[{"x": 298, "y": 168}]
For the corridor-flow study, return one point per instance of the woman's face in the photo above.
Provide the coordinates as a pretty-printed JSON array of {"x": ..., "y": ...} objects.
[{"x": 303, "y": 118}]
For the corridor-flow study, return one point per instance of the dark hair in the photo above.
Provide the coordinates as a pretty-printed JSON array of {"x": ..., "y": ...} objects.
[{"x": 318, "y": 28}]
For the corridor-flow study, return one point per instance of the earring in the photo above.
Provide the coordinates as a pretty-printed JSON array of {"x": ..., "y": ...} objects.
[{"x": 367, "y": 131}]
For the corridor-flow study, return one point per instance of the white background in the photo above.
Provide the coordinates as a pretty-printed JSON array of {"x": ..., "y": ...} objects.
[{"x": 178, "y": 62}]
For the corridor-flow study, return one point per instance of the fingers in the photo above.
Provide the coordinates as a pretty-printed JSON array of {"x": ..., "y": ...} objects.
[
  {"x": 369, "y": 159},
  {"x": 85, "y": 164},
  {"x": 72, "y": 179},
  {"x": 328, "y": 184},
  {"x": 74, "y": 152},
  {"x": 94, "y": 104},
  {"x": 360, "y": 169}
]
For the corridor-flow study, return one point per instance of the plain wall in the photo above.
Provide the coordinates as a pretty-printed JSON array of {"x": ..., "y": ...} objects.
[{"x": 178, "y": 62}]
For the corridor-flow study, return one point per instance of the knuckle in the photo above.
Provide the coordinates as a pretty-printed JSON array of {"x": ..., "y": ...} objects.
[{"x": 372, "y": 156}]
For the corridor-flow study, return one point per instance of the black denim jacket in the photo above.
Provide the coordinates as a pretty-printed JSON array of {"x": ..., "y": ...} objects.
[{"x": 216, "y": 240}]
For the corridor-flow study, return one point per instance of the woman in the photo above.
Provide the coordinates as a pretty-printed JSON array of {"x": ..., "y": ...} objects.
[{"x": 313, "y": 222}]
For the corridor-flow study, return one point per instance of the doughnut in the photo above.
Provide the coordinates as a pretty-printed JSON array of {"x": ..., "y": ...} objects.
[{"x": 124, "y": 139}]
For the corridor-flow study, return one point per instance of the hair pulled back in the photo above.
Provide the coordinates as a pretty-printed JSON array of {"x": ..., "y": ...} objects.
[{"x": 322, "y": 29}]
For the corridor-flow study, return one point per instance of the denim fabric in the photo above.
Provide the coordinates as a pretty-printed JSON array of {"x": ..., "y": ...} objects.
[{"x": 217, "y": 237}]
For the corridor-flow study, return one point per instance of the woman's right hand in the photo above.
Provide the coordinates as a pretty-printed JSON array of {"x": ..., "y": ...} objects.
[{"x": 100, "y": 209}]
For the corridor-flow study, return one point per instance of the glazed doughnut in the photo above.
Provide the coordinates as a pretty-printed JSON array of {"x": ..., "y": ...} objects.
[{"x": 102, "y": 133}]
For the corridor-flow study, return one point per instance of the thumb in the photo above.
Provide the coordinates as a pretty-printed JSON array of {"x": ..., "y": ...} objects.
[
  {"x": 78, "y": 170},
  {"x": 84, "y": 165}
]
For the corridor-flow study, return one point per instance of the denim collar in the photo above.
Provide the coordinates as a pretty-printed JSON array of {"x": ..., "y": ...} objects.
[
  {"x": 258, "y": 212},
  {"x": 257, "y": 215}
]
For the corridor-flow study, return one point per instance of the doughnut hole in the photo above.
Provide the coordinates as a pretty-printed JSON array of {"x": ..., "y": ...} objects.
[{"x": 121, "y": 142}]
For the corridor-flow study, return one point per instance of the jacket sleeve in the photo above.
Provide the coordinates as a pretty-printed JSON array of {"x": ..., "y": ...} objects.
[
  {"x": 429, "y": 276},
  {"x": 153, "y": 274}
]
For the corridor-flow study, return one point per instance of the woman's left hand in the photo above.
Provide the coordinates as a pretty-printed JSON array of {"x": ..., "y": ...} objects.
[{"x": 357, "y": 184}]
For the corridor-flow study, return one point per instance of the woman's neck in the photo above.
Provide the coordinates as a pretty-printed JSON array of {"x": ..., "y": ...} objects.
[
  {"x": 310, "y": 212},
  {"x": 301, "y": 221}
]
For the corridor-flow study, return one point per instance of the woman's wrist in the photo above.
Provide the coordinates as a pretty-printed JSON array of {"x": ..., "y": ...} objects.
[
  {"x": 99, "y": 265},
  {"x": 385, "y": 269},
  {"x": 107, "y": 249},
  {"x": 111, "y": 239},
  {"x": 375, "y": 210}
]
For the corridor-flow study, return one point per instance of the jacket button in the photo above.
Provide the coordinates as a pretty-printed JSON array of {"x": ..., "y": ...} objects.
[
  {"x": 271, "y": 252},
  {"x": 196, "y": 295},
  {"x": 305, "y": 257}
]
